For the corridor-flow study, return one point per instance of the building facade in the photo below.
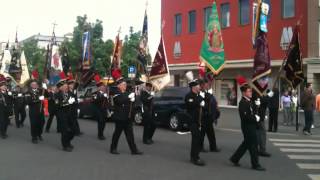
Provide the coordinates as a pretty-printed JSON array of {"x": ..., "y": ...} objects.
[
  {"x": 44, "y": 40},
  {"x": 184, "y": 30}
]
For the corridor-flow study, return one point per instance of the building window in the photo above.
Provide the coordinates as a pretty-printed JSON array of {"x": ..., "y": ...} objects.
[
  {"x": 244, "y": 10},
  {"x": 288, "y": 8},
  {"x": 225, "y": 15},
  {"x": 192, "y": 21},
  {"x": 178, "y": 24},
  {"x": 206, "y": 17}
]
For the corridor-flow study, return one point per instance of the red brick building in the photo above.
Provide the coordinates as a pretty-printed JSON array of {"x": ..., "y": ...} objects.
[{"x": 184, "y": 30}]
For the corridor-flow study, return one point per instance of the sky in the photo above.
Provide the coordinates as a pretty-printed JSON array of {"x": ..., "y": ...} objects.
[{"x": 31, "y": 17}]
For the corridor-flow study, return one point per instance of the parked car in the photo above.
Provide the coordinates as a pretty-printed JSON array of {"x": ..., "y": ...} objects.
[{"x": 169, "y": 108}]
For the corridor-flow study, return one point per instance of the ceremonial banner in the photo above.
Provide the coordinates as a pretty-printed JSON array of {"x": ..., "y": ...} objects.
[
  {"x": 212, "y": 50},
  {"x": 55, "y": 65},
  {"x": 116, "y": 59},
  {"x": 86, "y": 54},
  {"x": 262, "y": 60},
  {"x": 293, "y": 67},
  {"x": 5, "y": 61},
  {"x": 160, "y": 74},
  {"x": 25, "y": 75},
  {"x": 143, "y": 47}
]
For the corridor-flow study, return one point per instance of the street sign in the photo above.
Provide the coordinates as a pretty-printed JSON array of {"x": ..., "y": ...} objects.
[{"x": 132, "y": 72}]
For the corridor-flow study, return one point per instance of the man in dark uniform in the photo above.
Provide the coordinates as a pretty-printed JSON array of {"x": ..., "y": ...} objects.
[
  {"x": 4, "y": 108},
  {"x": 101, "y": 102},
  {"x": 273, "y": 106},
  {"x": 210, "y": 114},
  {"x": 147, "y": 114},
  {"x": 64, "y": 100},
  {"x": 34, "y": 98},
  {"x": 74, "y": 107},
  {"x": 123, "y": 102},
  {"x": 194, "y": 105},
  {"x": 52, "y": 109},
  {"x": 249, "y": 129},
  {"x": 261, "y": 103},
  {"x": 10, "y": 98},
  {"x": 19, "y": 106}
]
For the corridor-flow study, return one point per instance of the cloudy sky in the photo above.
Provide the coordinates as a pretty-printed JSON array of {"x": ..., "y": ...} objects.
[{"x": 37, "y": 16}]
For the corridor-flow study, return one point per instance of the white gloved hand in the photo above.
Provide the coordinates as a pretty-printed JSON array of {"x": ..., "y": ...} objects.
[
  {"x": 71, "y": 100},
  {"x": 131, "y": 95},
  {"x": 9, "y": 93},
  {"x": 41, "y": 98},
  {"x": 202, "y": 104},
  {"x": 258, "y": 102},
  {"x": 105, "y": 95},
  {"x": 202, "y": 94},
  {"x": 152, "y": 93},
  {"x": 44, "y": 86},
  {"x": 132, "y": 99},
  {"x": 210, "y": 91},
  {"x": 19, "y": 95},
  {"x": 270, "y": 94},
  {"x": 257, "y": 118}
]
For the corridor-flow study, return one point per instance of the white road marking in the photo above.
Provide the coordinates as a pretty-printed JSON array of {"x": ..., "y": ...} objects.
[
  {"x": 303, "y": 150},
  {"x": 296, "y": 145},
  {"x": 295, "y": 140},
  {"x": 308, "y": 165},
  {"x": 304, "y": 157},
  {"x": 314, "y": 176}
]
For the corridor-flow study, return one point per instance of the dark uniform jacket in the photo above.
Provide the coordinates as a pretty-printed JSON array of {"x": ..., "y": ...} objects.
[
  {"x": 32, "y": 99},
  {"x": 101, "y": 102},
  {"x": 247, "y": 116},
  {"x": 192, "y": 102},
  {"x": 121, "y": 107},
  {"x": 210, "y": 110},
  {"x": 147, "y": 102},
  {"x": 51, "y": 102},
  {"x": 4, "y": 108},
  {"x": 18, "y": 100}
]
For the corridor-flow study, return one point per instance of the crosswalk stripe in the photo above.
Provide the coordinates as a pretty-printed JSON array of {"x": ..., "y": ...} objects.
[
  {"x": 314, "y": 176},
  {"x": 308, "y": 166},
  {"x": 295, "y": 140},
  {"x": 296, "y": 145},
  {"x": 304, "y": 157},
  {"x": 303, "y": 150}
]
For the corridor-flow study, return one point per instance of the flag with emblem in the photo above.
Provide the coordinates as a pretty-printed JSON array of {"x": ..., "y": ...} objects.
[
  {"x": 160, "y": 74},
  {"x": 87, "y": 70},
  {"x": 55, "y": 63},
  {"x": 293, "y": 67},
  {"x": 116, "y": 58},
  {"x": 5, "y": 60},
  {"x": 262, "y": 60},
  {"x": 143, "y": 47},
  {"x": 212, "y": 49}
]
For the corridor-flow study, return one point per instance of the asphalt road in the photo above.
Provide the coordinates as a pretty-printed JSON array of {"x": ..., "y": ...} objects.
[{"x": 168, "y": 158}]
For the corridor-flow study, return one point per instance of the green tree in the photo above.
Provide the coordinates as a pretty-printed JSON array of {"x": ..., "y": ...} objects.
[{"x": 100, "y": 50}]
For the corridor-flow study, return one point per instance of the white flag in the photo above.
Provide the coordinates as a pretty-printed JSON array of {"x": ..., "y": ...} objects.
[
  {"x": 25, "y": 75},
  {"x": 5, "y": 62}
]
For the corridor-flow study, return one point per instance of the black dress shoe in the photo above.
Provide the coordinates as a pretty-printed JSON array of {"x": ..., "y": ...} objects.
[
  {"x": 148, "y": 142},
  {"x": 137, "y": 152},
  {"x": 235, "y": 163},
  {"x": 35, "y": 141},
  {"x": 102, "y": 138},
  {"x": 114, "y": 151},
  {"x": 258, "y": 168},
  {"x": 203, "y": 150},
  {"x": 71, "y": 146},
  {"x": 264, "y": 154},
  {"x": 215, "y": 150},
  {"x": 4, "y": 136},
  {"x": 198, "y": 162},
  {"x": 67, "y": 149}
]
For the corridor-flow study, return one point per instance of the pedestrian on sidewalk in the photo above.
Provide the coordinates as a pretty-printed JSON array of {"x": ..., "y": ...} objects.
[
  {"x": 308, "y": 105},
  {"x": 286, "y": 107}
]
